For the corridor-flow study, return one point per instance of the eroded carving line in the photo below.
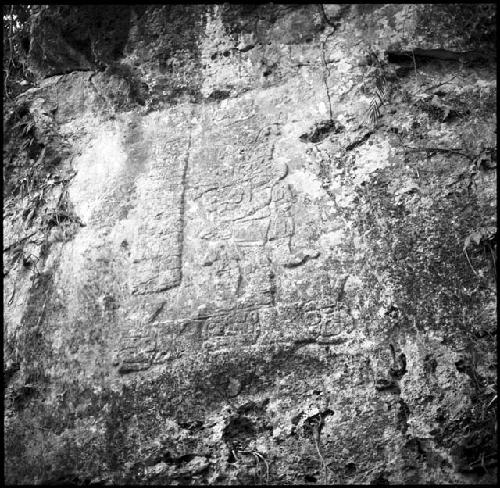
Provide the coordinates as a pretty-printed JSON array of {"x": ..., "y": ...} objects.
[
  {"x": 158, "y": 251},
  {"x": 183, "y": 202}
]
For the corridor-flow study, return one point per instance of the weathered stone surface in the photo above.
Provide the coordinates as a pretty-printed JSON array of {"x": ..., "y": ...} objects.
[{"x": 258, "y": 269}]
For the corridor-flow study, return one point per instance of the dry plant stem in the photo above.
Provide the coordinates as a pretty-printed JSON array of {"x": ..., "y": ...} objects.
[
  {"x": 433, "y": 87},
  {"x": 459, "y": 151},
  {"x": 322, "y": 459},
  {"x": 10, "y": 62},
  {"x": 494, "y": 264},
  {"x": 414, "y": 64},
  {"x": 404, "y": 23},
  {"x": 470, "y": 264},
  {"x": 257, "y": 460},
  {"x": 11, "y": 31},
  {"x": 265, "y": 463},
  {"x": 492, "y": 400},
  {"x": 366, "y": 473},
  {"x": 483, "y": 465},
  {"x": 258, "y": 456},
  {"x": 43, "y": 310}
]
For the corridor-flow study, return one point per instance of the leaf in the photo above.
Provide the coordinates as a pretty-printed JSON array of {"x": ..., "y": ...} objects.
[
  {"x": 380, "y": 95},
  {"x": 482, "y": 235},
  {"x": 475, "y": 237},
  {"x": 374, "y": 110}
]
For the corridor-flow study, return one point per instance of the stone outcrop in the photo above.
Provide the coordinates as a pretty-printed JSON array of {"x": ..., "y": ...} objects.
[{"x": 236, "y": 248}]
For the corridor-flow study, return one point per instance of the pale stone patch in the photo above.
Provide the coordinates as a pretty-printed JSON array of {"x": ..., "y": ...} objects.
[
  {"x": 332, "y": 239},
  {"x": 57, "y": 340},
  {"x": 97, "y": 169},
  {"x": 369, "y": 159},
  {"x": 344, "y": 197},
  {"x": 73, "y": 257},
  {"x": 306, "y": 182},
  {"x": 489, "y": 85},
  {"x": 353, "y": 283},
  {"x": 343, "y": 66},
  {"x": 157, "y": 469}
]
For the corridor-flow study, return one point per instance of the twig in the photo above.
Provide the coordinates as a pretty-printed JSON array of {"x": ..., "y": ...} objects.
[
  {"x": 322, "y": 459},
  {"x": 483, "y": 465},
  {"x": 323, "y": 463},
  {"x": 457, "y": 150},
  {"x": 433, "y": 87},
  {"x": 265, "y": 463},
  {"x": 414, "y": 64},
  {"x": 12, "y": 295},
  {"x": 43, "y": 310},
  {"x": 257, "y": 455},
  {"x": 494, "y": 262},
  {"x": 231, "y": 123},
  {"x": 492, "y": 400},
  {"x": 11, "y": 55},
  {"x": 470, "y": 264},
  {"x": 366, "y": 473},
  {"x": 404, "y": 24}
]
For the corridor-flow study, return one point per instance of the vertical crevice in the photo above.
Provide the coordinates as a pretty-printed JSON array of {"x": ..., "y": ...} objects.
[
  {"x": 326, "y": 74},
  {"x": 185, "y": 169}
]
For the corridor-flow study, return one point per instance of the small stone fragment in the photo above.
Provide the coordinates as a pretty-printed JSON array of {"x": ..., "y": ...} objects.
[
  {"x": 197, "y": 465},
  {"x": 157, "y": 469},
  {"x": 234, "y": 387}
]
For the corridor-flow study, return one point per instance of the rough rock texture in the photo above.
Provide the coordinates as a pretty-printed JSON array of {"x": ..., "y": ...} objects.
[{"x": 252, "y": 244}]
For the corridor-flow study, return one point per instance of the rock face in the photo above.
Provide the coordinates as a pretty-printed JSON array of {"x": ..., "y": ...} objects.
[{"x": 245, "y": 245}]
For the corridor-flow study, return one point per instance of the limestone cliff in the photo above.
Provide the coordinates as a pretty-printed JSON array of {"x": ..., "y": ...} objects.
[{"x": 252, "y": 244}]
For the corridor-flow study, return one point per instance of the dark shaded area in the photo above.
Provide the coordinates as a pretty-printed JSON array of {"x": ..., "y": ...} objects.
[
  {"x": 23, "y": 395},
  {"x": 19, "y": 134},
  {"x": 9, "y": 371},
  {"x": 321, "y": 130},
  {"x": 165, "y": 38},
  {"x": 423, "y": 56},
  {"x": 433, "y": 278},
  {"x": 408, "y": 61},
  {"x": 16, "y": 43},
  {"x": 314, "y": 424},
  {"x": 244, "y": 18},
  {"x": 261, "y": 19},
  {"x": 218, "y": 95},
  {"x": 239, "y": 428},
  {"x": 358, "y": 142},
  {"x": 403, "y": 414},
  {"x": 473, "y": 23},
  {"x": 137, "y": 90},
  {"x": 442, "y": 110},
  {"x": 380, "y": 479},
  {"x": 430, "y": 364},
  {"x": 421, "y": 267},
  {"x": 172, "y": 26},
  {"x": 65, "y": 38},
  {"x": 398, "y": 369},
  {"x": 185, "y": 398},
  {"x": 387, "y": 385}
]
